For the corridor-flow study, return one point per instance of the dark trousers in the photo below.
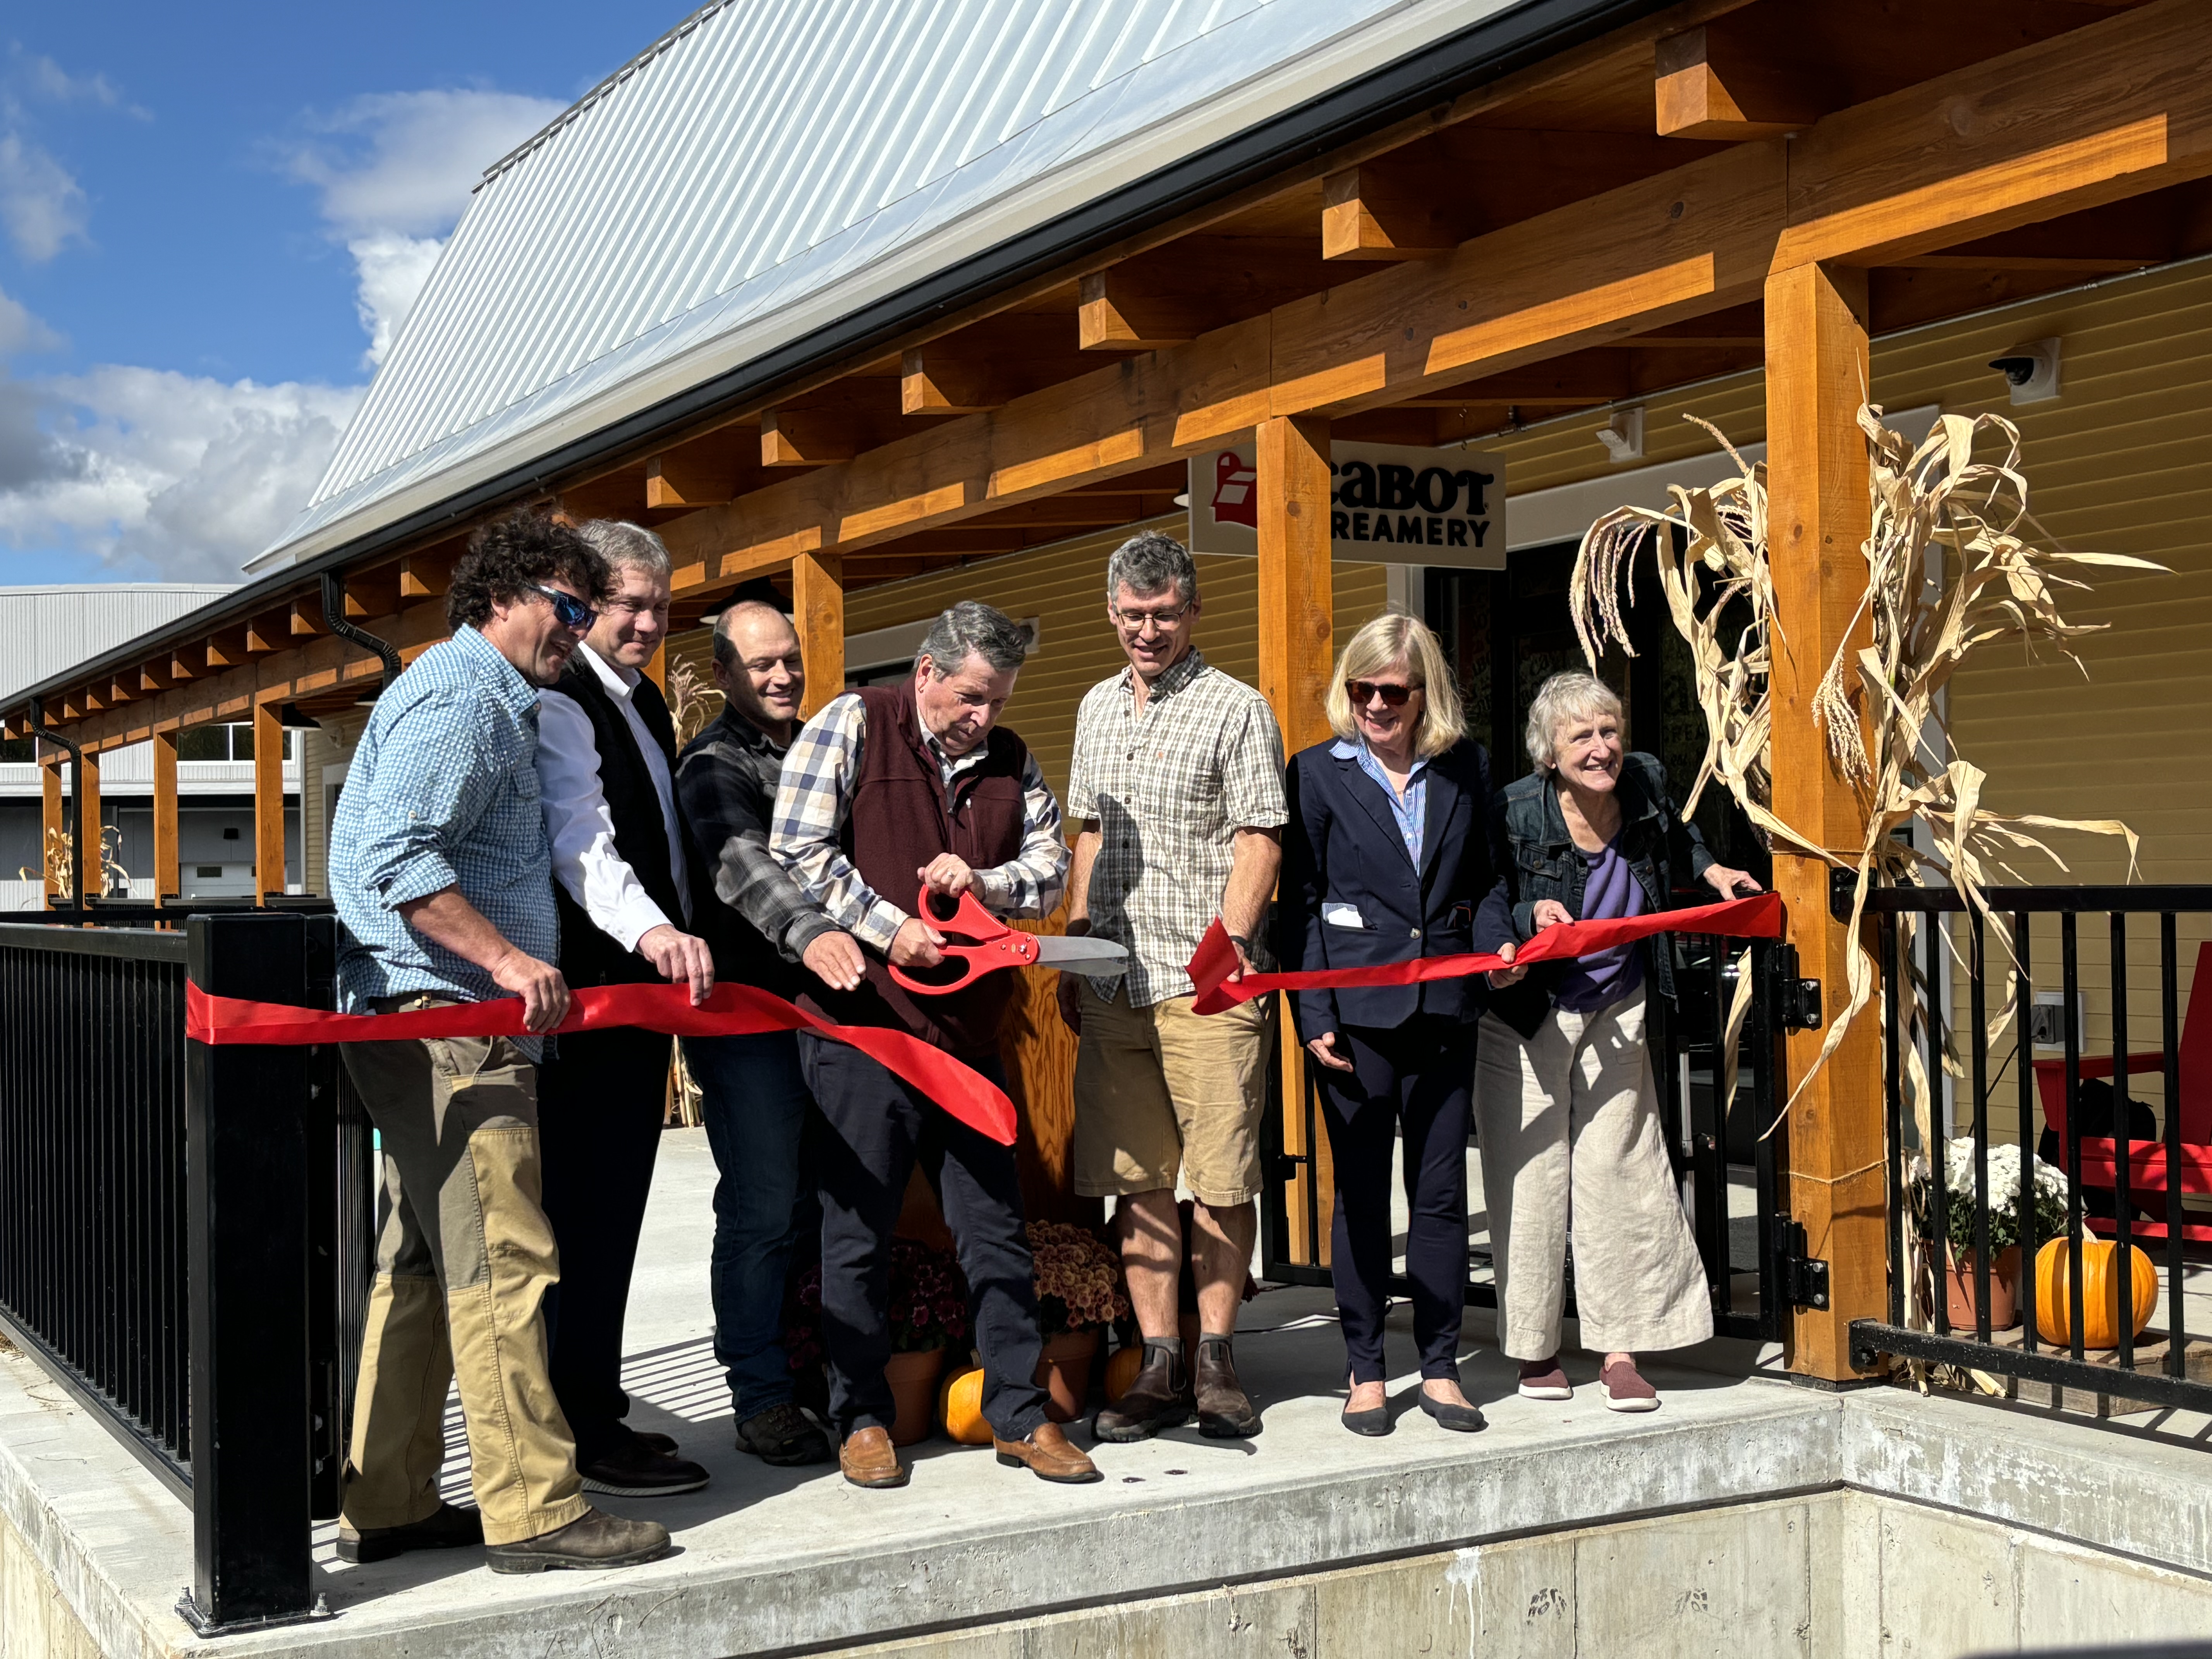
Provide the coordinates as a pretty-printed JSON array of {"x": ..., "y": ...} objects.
[
  {"x": 756, "y": 1102},
  {"x": 601, "y": 1103},
  {"x": 1412, "y": 1079},
  {"x": 876, "y": 1129}
]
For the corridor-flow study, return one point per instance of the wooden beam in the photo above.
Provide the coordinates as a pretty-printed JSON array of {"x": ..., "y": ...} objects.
[
  {"x": 268, "y": 800},
  {"x": 229, "y": 649},
  {"x": 122, "y": 688},
  {"x": 1173, "y": 296},
  {"x": 167, "y": 872},
  {"x": 703, "y": 472},
  {"x": 373, "y": 593},
  {"x": 269, "y": 632},
  {"x": 817, "y": 605},
  {"x": 86, "y": 782},
  {"x": 1383, "y": 210},
  {"x": 1297, "y": 606},
  {"x": 427, "y": 575},
  {"x": 805, "y": 437},
  {"x": 51, "y": 822},
  {"x": 187, "y": 662},
  {"x": 306, "y": 618},
  {"x": 1122, "y": 313},
  {"x": 1818, "y": 514},
  {"x": 2097, "y": 115},
  {"x": 1712, "y": 84}
]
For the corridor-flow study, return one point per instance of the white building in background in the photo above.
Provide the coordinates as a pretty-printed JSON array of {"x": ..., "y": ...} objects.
[{"x": 46, "y": 630}]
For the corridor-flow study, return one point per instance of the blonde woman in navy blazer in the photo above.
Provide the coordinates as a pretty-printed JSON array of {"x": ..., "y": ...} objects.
[{"x": 1385, "y": 858}]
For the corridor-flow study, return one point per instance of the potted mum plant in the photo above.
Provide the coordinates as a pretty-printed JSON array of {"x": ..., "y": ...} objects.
[
  {"x": 1958, "y": 1248},
  {"x": 1080, "y": 1291},
  {"x": 929, "y": 1315}
]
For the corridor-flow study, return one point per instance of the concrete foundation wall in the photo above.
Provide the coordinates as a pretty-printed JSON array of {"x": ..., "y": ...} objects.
[
  {"x": 36, "y": 1622},
  {"x": 1841, "y": 1574}
]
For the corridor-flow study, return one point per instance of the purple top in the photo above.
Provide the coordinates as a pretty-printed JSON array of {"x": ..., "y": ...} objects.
[{"x": 1610, "y": 893}]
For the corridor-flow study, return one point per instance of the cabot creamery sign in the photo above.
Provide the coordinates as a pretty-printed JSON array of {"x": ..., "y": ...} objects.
[{"x": 1387, "y": 505}]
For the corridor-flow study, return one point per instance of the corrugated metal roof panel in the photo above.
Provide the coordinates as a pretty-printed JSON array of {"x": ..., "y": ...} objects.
[
  {"x": 770, "y": 166},
  {"x": 44, "y": 631}
]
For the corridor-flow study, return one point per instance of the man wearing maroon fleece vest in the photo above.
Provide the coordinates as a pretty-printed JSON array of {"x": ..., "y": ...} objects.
[{"x": 889, "y": 789}]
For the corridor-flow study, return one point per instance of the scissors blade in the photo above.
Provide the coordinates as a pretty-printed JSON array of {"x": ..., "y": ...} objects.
[{"x": 1100, "y": 957}]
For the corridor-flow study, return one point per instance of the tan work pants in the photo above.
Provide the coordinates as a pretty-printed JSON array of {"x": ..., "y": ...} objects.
[
  {"x": 1568, "y": 1126},
  {"x": 464, "y": 1259}
]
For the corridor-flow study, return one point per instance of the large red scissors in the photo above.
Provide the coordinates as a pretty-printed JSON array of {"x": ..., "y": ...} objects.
[{"x": 977, "y": 943}]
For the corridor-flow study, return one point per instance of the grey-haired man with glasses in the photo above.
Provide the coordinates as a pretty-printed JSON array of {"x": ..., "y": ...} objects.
[{"x": 1177, "y": 788}]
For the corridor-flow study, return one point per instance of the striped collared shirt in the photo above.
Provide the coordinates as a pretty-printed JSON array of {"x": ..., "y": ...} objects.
[
  {"x": 1168, "y": 789},
  {"x": 442, "y": 792},
  {"x": 815, "y": 796}
]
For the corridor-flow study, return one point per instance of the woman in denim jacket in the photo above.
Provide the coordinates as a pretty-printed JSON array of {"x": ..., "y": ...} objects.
[{"x": 1568, "y": 1120}]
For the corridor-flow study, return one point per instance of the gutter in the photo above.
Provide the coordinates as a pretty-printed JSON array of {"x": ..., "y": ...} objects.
[{"x": 1438, "y": 74}]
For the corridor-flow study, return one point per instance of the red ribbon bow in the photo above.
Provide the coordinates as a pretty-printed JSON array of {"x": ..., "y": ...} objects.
[
  {"x": 730, "y": 1010},
  {"x": 1759, "y": 916}
]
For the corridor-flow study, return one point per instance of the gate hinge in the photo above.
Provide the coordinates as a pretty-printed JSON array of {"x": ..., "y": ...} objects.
[
  {"x": 1799, "y": 1282},
  {"x": 1796, "y": 1001}
]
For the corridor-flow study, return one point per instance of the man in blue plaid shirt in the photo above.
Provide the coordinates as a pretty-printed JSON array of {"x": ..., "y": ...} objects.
[{"x": 442, "y": 871}]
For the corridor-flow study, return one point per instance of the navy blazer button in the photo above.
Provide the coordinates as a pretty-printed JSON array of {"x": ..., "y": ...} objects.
[{"x": 1417, "y": 932}]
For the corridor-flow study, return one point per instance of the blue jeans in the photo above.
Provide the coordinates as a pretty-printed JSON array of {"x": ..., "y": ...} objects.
[{"x": 756, "y": 1104}]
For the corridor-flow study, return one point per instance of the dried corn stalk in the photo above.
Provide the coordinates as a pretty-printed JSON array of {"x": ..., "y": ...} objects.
[
  {"x": 1947, "y": 570},
  {"x": 691, "y": 704}
]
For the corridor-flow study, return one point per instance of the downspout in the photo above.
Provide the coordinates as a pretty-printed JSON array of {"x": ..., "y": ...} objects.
[
  {"x": 334, "y": 617},
  {"x": 46, "y": 734}
]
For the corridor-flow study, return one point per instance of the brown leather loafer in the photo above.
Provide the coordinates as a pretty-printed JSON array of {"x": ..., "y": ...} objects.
[
  {"x": 1158, "y": 1398},
  {"x": 597, "y": 1540},
  {"x": 868, "y": 1459},
  {"x": 1049, "y": 1454},
  {"x": 1225, "y": 1410}
]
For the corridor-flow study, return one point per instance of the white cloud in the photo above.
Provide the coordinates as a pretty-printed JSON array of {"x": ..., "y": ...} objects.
[
  {"x": 393, "y": 269},
  {"x": 44, "y": 78},
  {"x": 157, "y": 474},
  {"x": 394, "y": 170},
  {"x": 42, "y": 206}
]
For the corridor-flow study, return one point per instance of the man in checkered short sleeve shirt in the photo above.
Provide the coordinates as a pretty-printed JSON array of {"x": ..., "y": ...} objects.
[{"x": 1177, "y": 789}]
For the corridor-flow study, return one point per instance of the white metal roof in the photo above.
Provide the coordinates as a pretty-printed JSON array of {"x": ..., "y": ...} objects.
[
  {"x": 773, "y": 165},
  {"x": 44, "y": 631}
]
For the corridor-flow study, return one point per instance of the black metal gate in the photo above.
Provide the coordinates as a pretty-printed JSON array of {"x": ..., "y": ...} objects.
[{"x": 1720, "y": 1149}]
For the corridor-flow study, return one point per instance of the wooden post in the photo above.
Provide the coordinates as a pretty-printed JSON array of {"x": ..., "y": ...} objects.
[
  {"x": 1296, "y": 609},
  {"x": 51, "y": 823},
  {"x": 268, "y": 802},
  {"x": 86, "y": 784},
  {"x": 1819, "y": 514},
  {"x": 818, "y": 612},
  {"x": 167, "y": 872},
  {"x": 657, "y": 669}
]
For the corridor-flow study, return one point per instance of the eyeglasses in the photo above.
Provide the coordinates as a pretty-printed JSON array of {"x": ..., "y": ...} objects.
[
  {"x": 1134, "y": 621},
  {"x": 575, "y": 616},
  {"x": 1363, "y": 692}
]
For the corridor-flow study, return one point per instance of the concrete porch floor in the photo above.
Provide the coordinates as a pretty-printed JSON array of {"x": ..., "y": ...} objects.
[{"x": 783, "y": 1560}]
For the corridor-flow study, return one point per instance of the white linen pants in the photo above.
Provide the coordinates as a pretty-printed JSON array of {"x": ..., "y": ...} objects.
[{"x": 1572, "y": 1146}]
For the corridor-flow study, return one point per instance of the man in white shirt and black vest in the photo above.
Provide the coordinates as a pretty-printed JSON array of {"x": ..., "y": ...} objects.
[{"x": 606, "y": 755}]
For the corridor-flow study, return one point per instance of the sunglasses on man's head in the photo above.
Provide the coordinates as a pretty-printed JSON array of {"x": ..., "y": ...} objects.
[
  {"x": 1365, "y": 691},
  {"x": 575, "y": 616}
]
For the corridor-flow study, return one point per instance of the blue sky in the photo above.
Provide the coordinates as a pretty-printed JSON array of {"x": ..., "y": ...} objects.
[{"x": 212, "y": 219}]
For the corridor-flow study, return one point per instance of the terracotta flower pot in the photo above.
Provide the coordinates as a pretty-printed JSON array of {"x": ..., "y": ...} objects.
[
  {"x": 913, "y": 1377},
  {"x": 2004, "y": 1282},
  {"x": 1063, "y": 1372}
]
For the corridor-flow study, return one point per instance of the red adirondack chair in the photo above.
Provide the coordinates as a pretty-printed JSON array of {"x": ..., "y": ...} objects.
[{"x": 2146, "y": 1161}]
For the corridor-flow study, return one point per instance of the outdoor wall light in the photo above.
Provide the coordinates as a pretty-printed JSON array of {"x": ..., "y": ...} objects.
[
  {"x": 2031, "y": 370},
  {"x": 1623, "y": 435}
]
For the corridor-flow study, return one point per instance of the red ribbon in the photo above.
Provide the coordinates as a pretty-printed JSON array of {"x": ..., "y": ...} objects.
[
  {"x": 730, "y": 1010},
  {"x": 1757, "y": 917}
]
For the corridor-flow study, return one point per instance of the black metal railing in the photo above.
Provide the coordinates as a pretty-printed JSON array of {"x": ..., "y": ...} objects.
[
  {"x": 1715, "y": 1144},
  {"x": 93, "y": 1242},
  {"x": 2122, "y": 1184},
  {"x": 185, "y": 1230}
]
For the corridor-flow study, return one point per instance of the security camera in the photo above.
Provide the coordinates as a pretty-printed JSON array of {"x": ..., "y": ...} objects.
[{"x": 2031, "y": 371}]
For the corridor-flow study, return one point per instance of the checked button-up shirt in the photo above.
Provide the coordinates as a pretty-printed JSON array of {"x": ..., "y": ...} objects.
[
  {"x": 442, "y": 792},
  {"x": 1169, "y": 788}
]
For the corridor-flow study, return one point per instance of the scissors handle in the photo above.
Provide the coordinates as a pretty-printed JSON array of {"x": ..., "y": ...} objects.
[{"x": 976, "y": 943}]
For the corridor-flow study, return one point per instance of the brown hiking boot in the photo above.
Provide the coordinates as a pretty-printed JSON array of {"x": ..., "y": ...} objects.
[
  {"x": 1225, "y": 1410},
  {"x": 1049, "y": 1454},
  {"x": 1159, "y": 1399},
  {"x": 868, "y": 1459},
  {"x": 446, "y": 1527},
  {"x": 593, "y": 1540}
]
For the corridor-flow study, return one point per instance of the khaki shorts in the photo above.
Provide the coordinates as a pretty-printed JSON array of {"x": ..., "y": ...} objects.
[{"x": 1160, "y": 1090}]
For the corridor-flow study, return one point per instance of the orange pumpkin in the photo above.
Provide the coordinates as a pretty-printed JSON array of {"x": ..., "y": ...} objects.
[
  {"x": 1121, "y": 1369},
  {"x": 2101, "y": 1291},
  {"x": 960, "y": 1406}
]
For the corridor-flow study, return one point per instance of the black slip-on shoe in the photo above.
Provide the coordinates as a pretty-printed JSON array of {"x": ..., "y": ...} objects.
[
  {"x": 1462, "y": 1419},
  {"x": 447, "y": 1527},
  {"x": 629, "y": 1470}
]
